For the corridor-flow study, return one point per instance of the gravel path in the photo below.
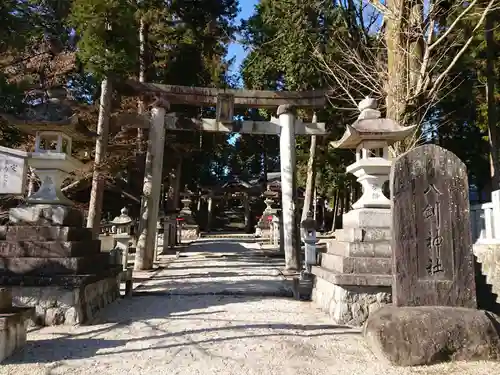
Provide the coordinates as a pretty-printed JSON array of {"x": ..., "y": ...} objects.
[{"x": 172, "y": 327}]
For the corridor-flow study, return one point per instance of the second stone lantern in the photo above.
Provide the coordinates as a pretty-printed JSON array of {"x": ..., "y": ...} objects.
[{"x": 370, "y": 135}]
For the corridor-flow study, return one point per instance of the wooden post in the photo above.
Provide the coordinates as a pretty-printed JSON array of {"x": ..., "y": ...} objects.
[
  {"x": 288, "y": 187},
  {"x": 152, "y": 188}
]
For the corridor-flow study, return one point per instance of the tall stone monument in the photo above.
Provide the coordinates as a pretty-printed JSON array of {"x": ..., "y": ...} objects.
[
  {"x": 48, "y": 259},
  {"x": 432, "y": 246},
  {"x": 433, "y": 317},
  {"x": 354, "y": 276}
]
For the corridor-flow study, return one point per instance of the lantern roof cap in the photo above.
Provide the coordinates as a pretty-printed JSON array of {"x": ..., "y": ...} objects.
[
  {"x": 123, "y": 219},
  {"x": 52, "y": 111},
  {"x": 371, "y": 127}
]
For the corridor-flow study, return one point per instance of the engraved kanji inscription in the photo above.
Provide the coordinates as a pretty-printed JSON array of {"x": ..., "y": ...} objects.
[
  {"x": 433, "y": 245},
  {"x": 432, "y": 250}
]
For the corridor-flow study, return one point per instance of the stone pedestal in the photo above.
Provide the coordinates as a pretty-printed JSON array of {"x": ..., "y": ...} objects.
[
  {"x": 13, "y": 325},
  {"x": 58, "y": 270},
  {"x": 354, "y": 277},
  {"x": 169, "y": 235},
  {"x": 189, "y": 229}
]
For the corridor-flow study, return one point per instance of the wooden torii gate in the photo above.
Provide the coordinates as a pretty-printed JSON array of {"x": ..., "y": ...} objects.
[{"x": 286, "y": 125}]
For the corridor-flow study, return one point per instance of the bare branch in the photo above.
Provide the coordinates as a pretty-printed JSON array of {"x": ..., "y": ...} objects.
[
  {"x": 443, "y": 75},
  {"x": 455, "y": 23}
]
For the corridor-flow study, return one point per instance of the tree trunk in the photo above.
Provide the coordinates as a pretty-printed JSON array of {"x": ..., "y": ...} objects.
[
  {"x": 490, "y": 99},
  {"x": 98, "y": 180},
  {"x": 311, "y": 174},
  {"x": 143, "y": 65},
  {"x": 403, "y": 37},
  {"x": 177, "y": 184}
]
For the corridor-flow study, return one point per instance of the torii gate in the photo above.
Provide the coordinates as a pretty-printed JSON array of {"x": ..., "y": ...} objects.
[{"x": 286, "y": 125}]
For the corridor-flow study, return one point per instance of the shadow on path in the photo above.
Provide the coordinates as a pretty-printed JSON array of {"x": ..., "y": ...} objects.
[{"x": 149, "y": 318}]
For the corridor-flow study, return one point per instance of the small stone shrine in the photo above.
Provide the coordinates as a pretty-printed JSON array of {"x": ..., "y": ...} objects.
[
  {"x": 434, "y": 293},
  {"x": 48, "y": 259},
  {"x": 354, "y": 277}
]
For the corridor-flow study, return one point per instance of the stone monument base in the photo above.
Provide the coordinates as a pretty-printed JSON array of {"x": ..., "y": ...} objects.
[
  {"x": 424, "y": 335},
  {"x": 68, "y": 299}
]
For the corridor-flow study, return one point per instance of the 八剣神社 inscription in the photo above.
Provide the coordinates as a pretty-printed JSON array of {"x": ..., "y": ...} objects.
[
  {"x": 434, "y": 240},
  {"x": 432, "y": 251}
]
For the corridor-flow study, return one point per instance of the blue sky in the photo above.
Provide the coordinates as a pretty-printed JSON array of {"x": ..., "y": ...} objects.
[{"x": 235, "y": 50}]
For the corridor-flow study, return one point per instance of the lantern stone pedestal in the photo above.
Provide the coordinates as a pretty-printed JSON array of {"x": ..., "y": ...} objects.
[
  {"x": 354, "y": 276},
  {"x": 190, "y": 231},
  {"x": 47, "y": 259},
  {"x": 169, "y": 234}
]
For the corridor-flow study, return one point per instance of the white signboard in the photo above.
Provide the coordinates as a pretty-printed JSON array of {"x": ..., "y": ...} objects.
[{"x": 13, "y": 169}]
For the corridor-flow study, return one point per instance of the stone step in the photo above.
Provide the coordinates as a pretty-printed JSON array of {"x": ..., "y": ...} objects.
[
  {"x": 379, "y": 249},
  {"x": 44, "y": 233},
  {"x": 363, "y": 234},
  {"x": 352, "y": 279},
  {"x": 53, "y": 266},
  {"x": 70, "y": 281},
  {"x": 50, "y": 249},
  {"x": 361, "y": 265}
]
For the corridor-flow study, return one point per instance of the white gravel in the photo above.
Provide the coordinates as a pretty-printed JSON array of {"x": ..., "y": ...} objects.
[{"x": 208, "y": 334}]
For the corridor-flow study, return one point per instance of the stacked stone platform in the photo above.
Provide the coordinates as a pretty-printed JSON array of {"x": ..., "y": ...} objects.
[
  {"x": 56, "y": 267},
  {"x": 354, "y": 277}
]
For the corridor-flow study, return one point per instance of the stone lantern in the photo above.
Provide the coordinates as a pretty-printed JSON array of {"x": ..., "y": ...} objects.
[
  {"x": 122, "y": 225},
  {"x": 354, "y": 276},
  {"x": 263, "y": 227},
  {"x": 371, "y": 136},
  {"x": 188, "y": 227},
  {"x": 121, "y": 234},
  {"x": 54, "y": 127},
  {"x": 45, "y": 249}
]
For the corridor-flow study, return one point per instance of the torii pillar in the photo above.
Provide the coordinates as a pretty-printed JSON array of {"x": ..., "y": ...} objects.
[
  {"x": 291, "y": 244},
  {"x": 144, "y": 256}
]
